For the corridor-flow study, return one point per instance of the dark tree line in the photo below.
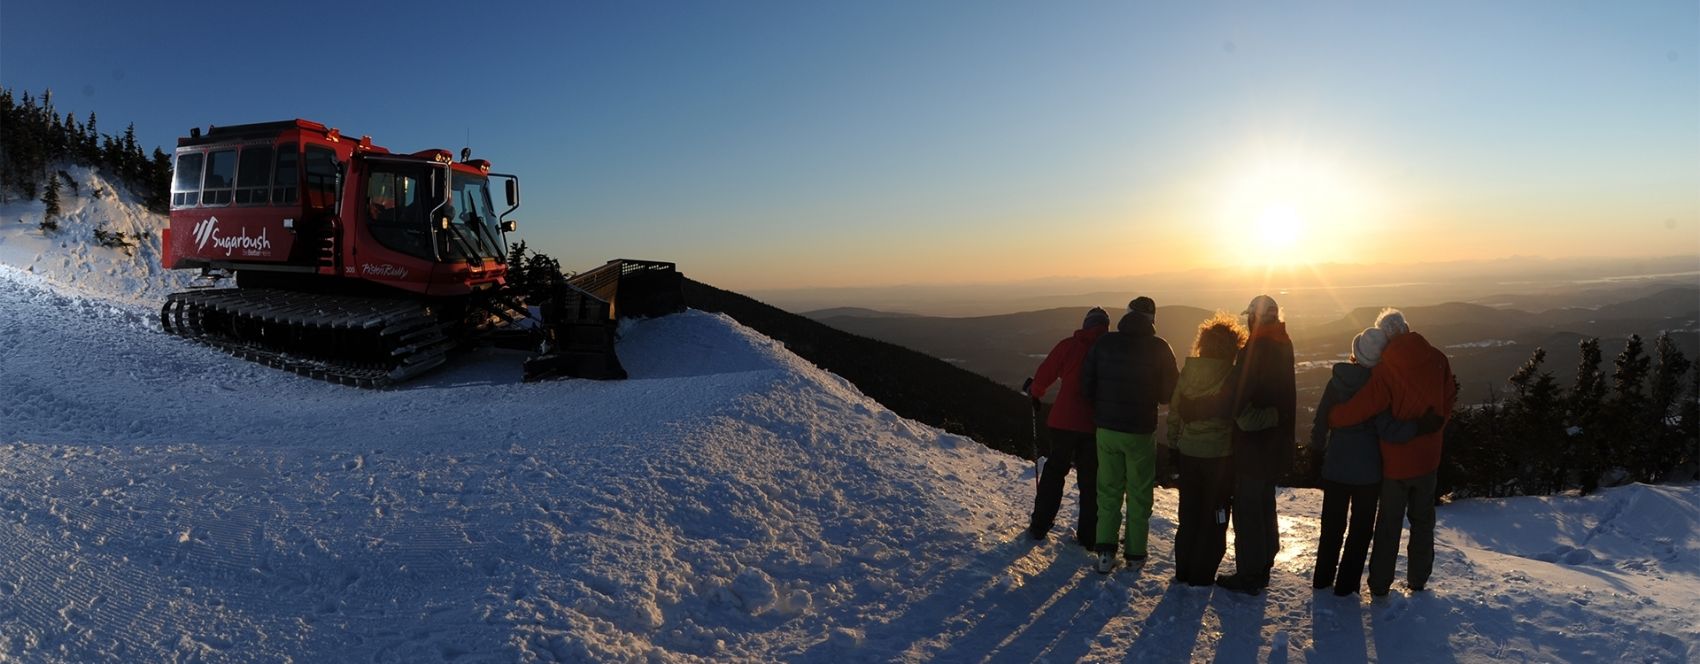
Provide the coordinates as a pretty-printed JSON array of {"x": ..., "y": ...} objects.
[
  {"x": 531, "y": 273},
  {"x": 1633, "y": 421},
  {"x": 35, "y": 141}
]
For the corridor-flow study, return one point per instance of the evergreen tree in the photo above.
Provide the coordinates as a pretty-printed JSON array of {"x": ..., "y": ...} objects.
[
  {"x": 89, "y": 149},
  {"x": 130, "y": 162},
  {"x": 1666, "y": 389},
  {"x": 1689, "y": 429},
  {"x": 158, "y": 186},
  {"x": 1627, "y": 437},
  {"x": 1586, "y": 407},
  {"x": 1536, "y": 426},
  {"x": 51, "y": 202}
]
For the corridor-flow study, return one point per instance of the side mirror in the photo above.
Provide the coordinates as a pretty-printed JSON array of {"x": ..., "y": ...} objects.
[
  {"x": 510, "y": 226},
  {"x": 513, "y": 191}
]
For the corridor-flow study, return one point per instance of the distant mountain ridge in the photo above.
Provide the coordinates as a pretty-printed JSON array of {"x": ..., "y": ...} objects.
[{"x": 853, "y": 312}]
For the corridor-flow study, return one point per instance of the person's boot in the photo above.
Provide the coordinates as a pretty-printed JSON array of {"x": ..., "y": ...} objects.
[
  {"x": 1106, "y": 561},
  {"x": 1242, "y": 583}
]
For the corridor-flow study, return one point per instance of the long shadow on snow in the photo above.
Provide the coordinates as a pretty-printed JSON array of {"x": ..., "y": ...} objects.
[
  {"x": 1013, "y": 623},
  {"x": 1242, "y": 619},
  {"x": 1337, "y": 629},
  {"x": 1001, "y": 619},
  {"x": 1170, "y": 632}
]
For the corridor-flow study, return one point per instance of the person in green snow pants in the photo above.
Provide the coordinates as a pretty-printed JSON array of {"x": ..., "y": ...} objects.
[
  {"x": 1127, "y": 464},
  {"x": 1125, "y": 376}
]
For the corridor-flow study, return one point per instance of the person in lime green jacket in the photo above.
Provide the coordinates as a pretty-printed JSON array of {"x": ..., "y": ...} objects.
[{"x": 1204, "y": 447}]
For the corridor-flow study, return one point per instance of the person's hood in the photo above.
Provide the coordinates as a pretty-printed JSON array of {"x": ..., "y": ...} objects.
[
  {"x": 1352, "y": 376},
  {"x": 1133, "y": 323},
  {"x": 1203, "y": 375},
  {"x": 1091, "y": 334},
  {"x": 1276, "y": 330}
]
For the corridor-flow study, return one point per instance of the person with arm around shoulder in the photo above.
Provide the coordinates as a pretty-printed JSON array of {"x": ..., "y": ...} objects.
[{"x": 1413, "y": 381}]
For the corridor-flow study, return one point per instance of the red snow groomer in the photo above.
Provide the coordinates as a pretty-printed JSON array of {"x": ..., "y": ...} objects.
[{"x": 361, "y": 266}]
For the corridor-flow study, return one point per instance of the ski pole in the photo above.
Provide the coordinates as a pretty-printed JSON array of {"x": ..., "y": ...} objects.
[{"x": 1033, "y": 443}]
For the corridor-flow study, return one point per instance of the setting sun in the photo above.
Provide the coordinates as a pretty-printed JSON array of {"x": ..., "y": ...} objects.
[
  {"x": 1280, "y": 227},
  {"x": 1291, "y": 205}
]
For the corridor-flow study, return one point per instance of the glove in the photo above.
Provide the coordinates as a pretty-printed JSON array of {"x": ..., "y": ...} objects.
[
  {"x": 1430, "y": 422},
  {"x": 1167, "y": 476}
]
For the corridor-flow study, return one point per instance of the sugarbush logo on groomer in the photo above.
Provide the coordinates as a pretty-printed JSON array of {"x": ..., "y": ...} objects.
[{"x": 207, "y": 231}]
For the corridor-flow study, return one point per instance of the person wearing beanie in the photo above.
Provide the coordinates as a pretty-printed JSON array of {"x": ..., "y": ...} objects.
[
  {"x": 1351, "y": 468},
  {"x": 1125, "y": 376},
  {"x": 1073, "y": 443},
  {"x": 1392, "y": 323},
  {"x": 1264, "y": 402},
  {"x": 1413, "y": 381},
  {"x": 1203, "y": 447}
]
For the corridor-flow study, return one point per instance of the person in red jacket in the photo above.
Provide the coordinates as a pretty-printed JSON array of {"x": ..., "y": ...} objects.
[
  {"x": 1072, "y": 433},
  {"x": 1414, "y": 380}
]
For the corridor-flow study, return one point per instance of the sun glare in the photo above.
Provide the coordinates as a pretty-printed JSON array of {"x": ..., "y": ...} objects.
[
  {"x": 1292, "y": 206},
  {"x": 1280, "y": 227}
]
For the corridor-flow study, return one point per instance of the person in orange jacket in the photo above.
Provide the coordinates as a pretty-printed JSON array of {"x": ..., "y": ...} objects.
[
  {"x": 1414, "y": 380},
  {"x": 1072, "y": 433}
]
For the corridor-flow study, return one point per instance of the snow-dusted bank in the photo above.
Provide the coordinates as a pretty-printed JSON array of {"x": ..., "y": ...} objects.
[{"x": 160, "y": 501}]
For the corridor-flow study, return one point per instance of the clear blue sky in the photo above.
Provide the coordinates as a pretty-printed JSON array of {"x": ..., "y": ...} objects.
[{"x": 770, "y": 144}]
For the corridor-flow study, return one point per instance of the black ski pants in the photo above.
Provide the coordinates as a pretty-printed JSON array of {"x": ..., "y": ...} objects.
[
  {"x": 1403, "y": 500},
  {"x": 1257, "y": 535},
  {"x": 1201, "y": 538},
  {"x": 1345, "y": 571},
  {"x": 1069, "y": 449}
]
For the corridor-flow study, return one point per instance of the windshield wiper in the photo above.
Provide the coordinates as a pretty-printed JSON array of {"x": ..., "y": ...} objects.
[{"x": 465, "y": 246}]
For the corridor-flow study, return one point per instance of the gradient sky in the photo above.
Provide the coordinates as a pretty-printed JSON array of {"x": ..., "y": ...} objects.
[{"x": 789, "y": 144}]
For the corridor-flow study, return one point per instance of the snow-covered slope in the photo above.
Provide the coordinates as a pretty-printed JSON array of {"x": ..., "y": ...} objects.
[
  {"x": 160, "y": 501},
  {"x": 69, "y": 257}
]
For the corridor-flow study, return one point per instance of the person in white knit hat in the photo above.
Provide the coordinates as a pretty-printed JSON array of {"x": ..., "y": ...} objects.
[
  {"x": 1351, "y": 468},
  {"x": 1413, "y": 379}
]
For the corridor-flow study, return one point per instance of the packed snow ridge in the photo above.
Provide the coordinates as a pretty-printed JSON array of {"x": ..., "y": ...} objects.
[{"x": 161, "y": 501}]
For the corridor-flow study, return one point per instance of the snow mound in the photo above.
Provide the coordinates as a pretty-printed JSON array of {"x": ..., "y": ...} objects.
[
  {"x": 161, "y": 501},
  {"x": 70, "y": 258}
]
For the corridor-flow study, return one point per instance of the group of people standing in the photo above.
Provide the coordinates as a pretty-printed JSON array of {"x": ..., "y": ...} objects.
[{"x": 1231, "y": 436}]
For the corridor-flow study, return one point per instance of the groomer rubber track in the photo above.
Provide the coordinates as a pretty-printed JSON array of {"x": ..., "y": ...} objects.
[{"x": 367, "y": 342}]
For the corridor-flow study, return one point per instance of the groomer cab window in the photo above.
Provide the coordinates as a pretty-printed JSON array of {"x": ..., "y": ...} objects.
[
  {"x": 254, "y": 175},
  {"x": 186, "y": 182},
  {"x": 398, "y": 208},
  {"x": 322, "y": 170},
  {"x": 221, "y": 177}
]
